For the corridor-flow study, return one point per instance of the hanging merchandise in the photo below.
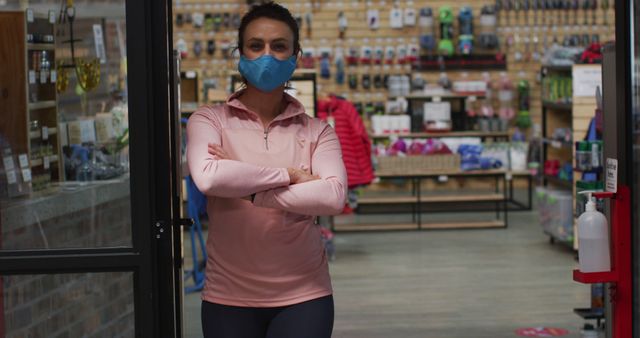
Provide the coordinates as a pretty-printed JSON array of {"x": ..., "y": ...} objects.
[
  {"x": 378, "y": 55},
  {"x": 217, "y": 22},
  {"x": 366, "y": 81},
  {"x": 188, "y": 19},
  {"x": 181, "y": 46},
  {"x": 339, "y": 69},
  {"x": 353, "y": 56},
  {"x": 342, "y": 24},
  {"x": 402, "y": 53},
  {"x": 179, "y": 20},
  {"x": 308, "y": 18},
  {"x": 377, "y": 81},
  {"x": 486, "y": 108},
  {"x": 366, "y": 53},
  {"x": 211, "y": 47},
  {"x": 465, "y": 23},
  {"x": 523, "y": 119},
  {"x": 488, "y": 38},
  {"x": 208, "y": 21},
  {"x": 445, "y": 46},
  {"x": 235, "y": 21},
  {"x": 197, "y": 19},
  {"x": 389, "y": 55},
  {"x": 325, "y": 65},
  {"x": 418, "y": 83},
  {"x": 308, "y": 58},
  {"x": 395, "y": 18},
  {"x": 373, "y": 19},
  {"x": 353, "y": 81},
  {"x": 427, "y": 29},
  {"x": 298, "y": 19},
  {"x": 409, "y": 17},
  {"x": 413, "y": 53},
  {"x": 197, "y": 48},
  {"x": 226, "y": 20},
  {"x": 225, "y": 48},
  {"x": 505, "y": 98}
]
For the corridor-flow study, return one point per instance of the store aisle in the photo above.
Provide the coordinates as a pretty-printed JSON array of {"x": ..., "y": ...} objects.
[{"x": 448, "y": 284}]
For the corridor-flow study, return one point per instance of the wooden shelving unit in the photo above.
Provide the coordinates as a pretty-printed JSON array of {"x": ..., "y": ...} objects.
[
  {"x": 444, "y": 134},
  {"x": 417, "y": 201},
  {"x": 31, "y": 131}
]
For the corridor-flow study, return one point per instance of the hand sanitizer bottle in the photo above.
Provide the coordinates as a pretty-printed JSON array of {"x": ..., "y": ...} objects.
[{"x": 593, "y": 239}]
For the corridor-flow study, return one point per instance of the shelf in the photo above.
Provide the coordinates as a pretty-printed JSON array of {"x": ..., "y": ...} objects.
[
  {"x": 595, "y": 277},
  {"x": 431, "y": 199},
  {"x": 38, "y": 134},
  {"x": 42, "y": 105},
  {"x": 595, "y": 171},
  {"x": 442, "y": 96},
  {"x": 443, "y": 134},
  {"x": 39, "y": 162},
  {"x": 558, "y": 68},
  {"x": 557, "y": 105},
  {"x": 375, "y": 227},
  {"x": 558, "y": 144},
  {"x": 41, "y": 46},
  {"x": 442, "y": 173},
  {"x": 414, "y": 226},
  {"x": 588, "y": 313},
  {"x": 556, "y": 181}
]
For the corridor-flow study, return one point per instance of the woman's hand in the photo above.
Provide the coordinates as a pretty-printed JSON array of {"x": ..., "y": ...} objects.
[
  {"x": 297, "y": 176},
  {"x": 216, "y": 150}
]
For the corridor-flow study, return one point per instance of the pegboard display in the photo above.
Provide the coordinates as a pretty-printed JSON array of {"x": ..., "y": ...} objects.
[{"x": 355, "y": 46}]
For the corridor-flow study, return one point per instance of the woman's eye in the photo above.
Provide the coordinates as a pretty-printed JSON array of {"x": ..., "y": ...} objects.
[
  {"x": 255, "y": 47},
  {"x": 279, "y": 47}
]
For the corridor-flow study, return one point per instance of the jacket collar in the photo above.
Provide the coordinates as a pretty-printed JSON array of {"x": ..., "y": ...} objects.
[{"x": 294, "y": 107}]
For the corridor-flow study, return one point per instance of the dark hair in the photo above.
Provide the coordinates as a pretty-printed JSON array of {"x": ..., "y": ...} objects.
[{"x": 273, "y": 11}]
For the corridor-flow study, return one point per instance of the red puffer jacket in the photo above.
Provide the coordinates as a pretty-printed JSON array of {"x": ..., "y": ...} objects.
[{"x": 354, "y": 140}]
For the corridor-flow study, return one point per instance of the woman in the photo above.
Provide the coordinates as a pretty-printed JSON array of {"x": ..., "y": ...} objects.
[{"x": 267, "y": 169}]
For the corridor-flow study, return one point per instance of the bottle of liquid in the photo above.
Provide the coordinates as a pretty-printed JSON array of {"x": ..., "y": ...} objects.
[
  {"x": 593, "y": 238},
  {"x": 84, "y": 172}
]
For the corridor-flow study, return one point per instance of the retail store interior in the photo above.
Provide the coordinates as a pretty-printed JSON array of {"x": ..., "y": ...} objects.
[{"x": 469, "y": 130}]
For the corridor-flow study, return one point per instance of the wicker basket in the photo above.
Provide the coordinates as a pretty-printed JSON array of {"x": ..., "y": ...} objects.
[{"x": 417, "y": 164}]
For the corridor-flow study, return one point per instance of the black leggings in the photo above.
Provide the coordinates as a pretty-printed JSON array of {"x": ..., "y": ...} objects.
[{"x": 311, "y": 319}]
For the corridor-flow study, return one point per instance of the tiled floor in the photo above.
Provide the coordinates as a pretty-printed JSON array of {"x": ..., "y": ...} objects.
[{"x": 448, "y": 283}]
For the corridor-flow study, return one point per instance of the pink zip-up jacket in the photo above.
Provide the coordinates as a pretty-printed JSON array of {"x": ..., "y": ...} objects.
[{"x": 267, "y": 253}]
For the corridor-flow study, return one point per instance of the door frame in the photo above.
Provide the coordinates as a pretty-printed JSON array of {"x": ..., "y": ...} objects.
[{"x": 152, "y": 257}]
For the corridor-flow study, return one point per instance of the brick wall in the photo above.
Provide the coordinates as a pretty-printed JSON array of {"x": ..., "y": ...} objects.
[{"x": 72, "y": 305}]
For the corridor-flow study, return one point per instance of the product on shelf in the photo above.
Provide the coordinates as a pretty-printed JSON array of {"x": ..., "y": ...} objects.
[
  {"x": 445, "y": 45},
  {"x": 465, "y": 26},
  {"x": 427, "y": 29},
  {"x": 488, "y": 38}
]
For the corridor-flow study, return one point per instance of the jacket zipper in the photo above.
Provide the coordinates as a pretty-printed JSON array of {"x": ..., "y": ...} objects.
[{"x": 266, "y": 138}]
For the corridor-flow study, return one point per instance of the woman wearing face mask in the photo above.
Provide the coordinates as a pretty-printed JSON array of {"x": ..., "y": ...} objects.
[{"x": 267, "y": 169}]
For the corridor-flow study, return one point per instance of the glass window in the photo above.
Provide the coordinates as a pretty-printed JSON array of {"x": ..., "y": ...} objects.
[{"x": 64, "y": 174}]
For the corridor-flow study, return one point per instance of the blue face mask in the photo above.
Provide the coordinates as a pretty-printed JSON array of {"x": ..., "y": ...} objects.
[{"x": 266, "y": 72}]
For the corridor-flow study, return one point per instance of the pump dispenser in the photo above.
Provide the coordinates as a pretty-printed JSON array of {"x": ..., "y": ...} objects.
[{"x": 593, "y": 238}]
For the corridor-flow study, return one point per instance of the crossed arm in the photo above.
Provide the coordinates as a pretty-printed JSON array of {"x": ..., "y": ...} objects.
[{"x": 289, "y": 189}]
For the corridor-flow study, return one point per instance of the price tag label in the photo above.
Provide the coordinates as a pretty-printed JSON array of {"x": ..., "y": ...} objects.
[
  {"x": 8, "y": 163},
  {"x": 473, "y": 98},
  {"x": 29, "y": 15},
  {"x": 509, "y": 176},
  {"x": 26, "y": 175},
  {"x": 46, "y": 162},
  {"x": 556, "y": 144},
  {"x": 52, "y": 17},
  {"x": 611, "y": 182},
  {"x": 437, "y": 99},
  {"x": 32, "y": 77},
  {"x": 12, "y": 177},
  {"x": 45, "y": 133},
  {"x": 43, "y": 77},
  {"x": 23, "y": 159},
  {"x": 54, "y": 76},
  {"x": 443, "y": 178}
]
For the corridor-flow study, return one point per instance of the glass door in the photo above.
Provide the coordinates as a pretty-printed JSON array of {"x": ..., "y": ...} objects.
[
  {"x": 628, "y": 45},
  {"x": 89, "y": 205}
]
